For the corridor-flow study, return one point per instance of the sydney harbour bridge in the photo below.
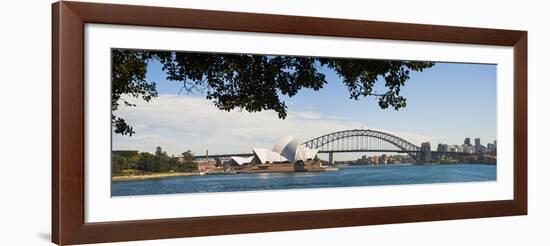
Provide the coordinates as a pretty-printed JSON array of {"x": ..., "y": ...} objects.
[{"x": 359, "y": 141}]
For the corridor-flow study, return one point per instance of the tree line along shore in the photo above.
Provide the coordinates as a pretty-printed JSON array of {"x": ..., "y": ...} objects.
[{"x": 135, "y": 165}]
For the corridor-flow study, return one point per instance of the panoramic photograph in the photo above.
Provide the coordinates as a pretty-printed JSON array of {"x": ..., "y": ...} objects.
[{"x": 202, "y": 122}]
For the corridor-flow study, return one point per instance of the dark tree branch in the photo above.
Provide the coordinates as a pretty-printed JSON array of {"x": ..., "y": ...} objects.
[{"x": 253, "y": 82}]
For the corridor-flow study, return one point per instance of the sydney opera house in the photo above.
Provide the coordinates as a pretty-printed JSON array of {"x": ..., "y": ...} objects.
[{"x": 288, "y": 155}]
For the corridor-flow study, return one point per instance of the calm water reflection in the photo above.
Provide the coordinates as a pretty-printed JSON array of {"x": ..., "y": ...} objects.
[{"x": 344, "y": 177}]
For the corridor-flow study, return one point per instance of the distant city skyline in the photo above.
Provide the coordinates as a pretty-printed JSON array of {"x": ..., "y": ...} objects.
[{"x": 445, "y": 104}]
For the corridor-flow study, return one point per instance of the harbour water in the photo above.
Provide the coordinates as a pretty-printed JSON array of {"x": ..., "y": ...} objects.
[{"x": 347, "y": 176}]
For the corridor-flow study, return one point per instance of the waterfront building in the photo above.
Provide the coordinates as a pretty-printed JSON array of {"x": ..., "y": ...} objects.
[
  {"x": 468, "y": 149},
  {"x": 479, "y": 148},
  {"x": 467, "y": 142},
  {"x": 443, "y": 147},
  {"x": 384, "y": 159},
  {"x": 206, "y": 165},
  {"x": 455, "y": 148},
  {"x": 287, "y": 150}
]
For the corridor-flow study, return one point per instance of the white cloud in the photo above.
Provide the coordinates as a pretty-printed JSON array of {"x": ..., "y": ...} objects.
[
  {"x": 178, "y": 123},
  {"x": 306, "y": 115}
]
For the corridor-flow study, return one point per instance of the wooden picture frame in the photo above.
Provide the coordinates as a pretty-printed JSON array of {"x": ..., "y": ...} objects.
[{"x": 68, "y": 123}]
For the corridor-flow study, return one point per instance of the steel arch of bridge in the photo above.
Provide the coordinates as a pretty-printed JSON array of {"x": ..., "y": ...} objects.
[{"x": 401, "y": 144}]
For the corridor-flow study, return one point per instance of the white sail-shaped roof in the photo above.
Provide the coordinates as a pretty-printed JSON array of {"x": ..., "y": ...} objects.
[
  {"x": 282, "y": 143},
  {"x": 241, "y": 160},
  {"x": 311, "y": 153},
  {"x": 294, "y": 151},
  {"x": 265, "y": 155}
]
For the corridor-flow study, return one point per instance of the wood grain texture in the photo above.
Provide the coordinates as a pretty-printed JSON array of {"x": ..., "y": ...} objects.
[
  {"x": 68, "y": 124},
  {"x": 251, "y": 22},
  {"x": 220, "y": 225},
  {"x": 55, "y": 123},
  {"x": 520, "y": 122},
  {"x": 68, "y": 19}
]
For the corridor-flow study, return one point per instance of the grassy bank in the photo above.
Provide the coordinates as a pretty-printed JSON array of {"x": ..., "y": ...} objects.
[{"x": 143, "y": 176}]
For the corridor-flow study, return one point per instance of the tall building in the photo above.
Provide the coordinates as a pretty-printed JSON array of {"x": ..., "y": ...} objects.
[
  {"x": 467, "y": 141},
  {"x": 491, "y": 148},
  {"x": 469, "y": 149},
  {"x": 443, "y": 148},
  {"x": 479, "y": 148},
  {"x": 459, "y": 148}
]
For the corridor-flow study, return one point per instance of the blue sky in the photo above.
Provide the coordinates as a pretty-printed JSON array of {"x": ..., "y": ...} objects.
[{"x": 445, "y": 103}]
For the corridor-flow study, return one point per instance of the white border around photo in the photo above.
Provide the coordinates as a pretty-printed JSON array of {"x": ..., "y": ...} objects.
[{"x": 100, "y": 206}]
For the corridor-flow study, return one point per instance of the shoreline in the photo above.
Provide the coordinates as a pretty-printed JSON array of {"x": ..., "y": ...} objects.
[
  {"x": 178, "y": 174},
  {"x": 150, "y": 176}
]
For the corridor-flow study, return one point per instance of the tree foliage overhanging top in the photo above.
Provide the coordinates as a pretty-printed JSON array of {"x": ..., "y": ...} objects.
[{"x": 252, "y": 82}]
